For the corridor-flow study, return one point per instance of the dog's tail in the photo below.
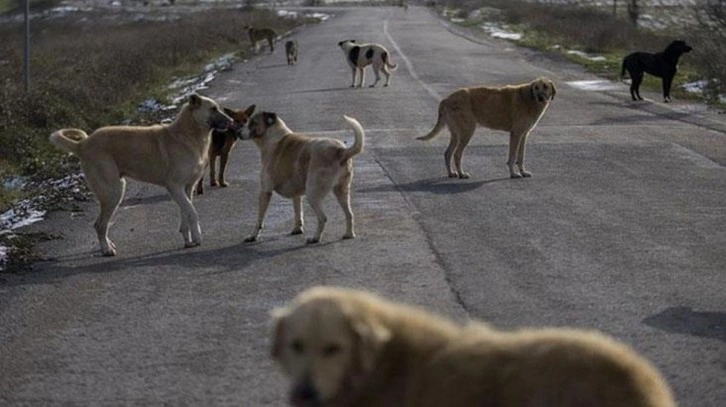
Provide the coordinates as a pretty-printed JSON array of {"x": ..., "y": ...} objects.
[
  {"x": 387, "y": 60},
  {"x": 357, "y": 146},
  {"x": 440, "y": 123},
  {"x": 68, "y": 139}
]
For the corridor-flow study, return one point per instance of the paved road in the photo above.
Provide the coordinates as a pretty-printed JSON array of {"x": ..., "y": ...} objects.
[{"x": 620, "y": 229}]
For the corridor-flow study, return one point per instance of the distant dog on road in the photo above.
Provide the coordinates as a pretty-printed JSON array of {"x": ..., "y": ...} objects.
[
  {"x": 261, "y": 34},
  {"x": 222, "y": 143},
  {"x": 361, "y": 55},
  {"x": 515, "y": 109},
  {"x": 343, "y": 347},
  {"x": 661, "y": 64},
  {"x": 172, "y": 156},
  {"x": 291, "y": 52},
  {"x": 294, "y": 165}
]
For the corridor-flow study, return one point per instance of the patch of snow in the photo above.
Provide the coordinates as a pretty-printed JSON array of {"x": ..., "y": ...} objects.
[
  {"x": 498, "y": 32},
  {"x": 457, "y": 20},
  {"x": 593, "y": 85},
  {"x": 586, "y": 55}
]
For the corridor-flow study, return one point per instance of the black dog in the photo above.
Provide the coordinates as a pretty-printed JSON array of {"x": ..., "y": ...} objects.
[{"x": 662, "y": 64}]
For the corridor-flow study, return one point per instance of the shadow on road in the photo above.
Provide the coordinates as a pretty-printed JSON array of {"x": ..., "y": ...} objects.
[
  {"x": 322, "y": 90},
  {"x": 224, "y": 260},
  {"x": 685, "y": 320},
  {"x": 434, "y": 185}
]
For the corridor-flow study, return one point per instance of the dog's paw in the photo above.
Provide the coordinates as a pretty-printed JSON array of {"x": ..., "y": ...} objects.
[
  {"x": 515, "y": 175},
  {"x": 213, "y": 183},
  {"x": 188, "y": 245},
  {"x": 464, "y": 175},
  {"x": 312, "y": 240},
  {"x": 453, "y": 175},
  {"x": 297, "y": 231},
  {"x": 250, "y": 239},
  {"x": 349, "y": 236},
  {"x": 526, "y": 174},
  {"x": 223, "y": 184}
]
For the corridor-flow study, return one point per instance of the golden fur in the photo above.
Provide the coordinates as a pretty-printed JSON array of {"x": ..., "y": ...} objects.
[
  {"x": 343, "y": 347},
  {"x": 294, "y": 165},
  {"x": 172, "y": 156},
  {"x": 515, "y": 109}
]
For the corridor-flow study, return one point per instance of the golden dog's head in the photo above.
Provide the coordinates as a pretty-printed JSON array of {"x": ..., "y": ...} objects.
[
  {"x": 258, "y": 125},
  {"x": 207, "y": 113},
  {"x": 543, "y": 89},
  {"x": 326, "y": 343}
]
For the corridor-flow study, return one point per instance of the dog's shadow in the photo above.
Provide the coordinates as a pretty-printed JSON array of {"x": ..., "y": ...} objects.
[
  {"x": 323, "y": 90},
  {"x": 684, "y": 320},
  {"x": 271, "y": 66},
  {"x": 438, "y": 186}
]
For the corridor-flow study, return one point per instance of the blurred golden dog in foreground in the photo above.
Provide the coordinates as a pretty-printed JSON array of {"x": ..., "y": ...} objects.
[{"x": 343, "y": 347}]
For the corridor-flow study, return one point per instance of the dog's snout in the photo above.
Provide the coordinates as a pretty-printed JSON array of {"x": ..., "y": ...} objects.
[{"x": 304, "y": 394}]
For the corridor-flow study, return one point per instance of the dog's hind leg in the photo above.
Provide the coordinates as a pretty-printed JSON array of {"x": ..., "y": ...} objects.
[
  {"x": 376, "y": 71},
  {"x": 189, "y": 222},
  {"x": 212, "y": 170},
  {"x": 462, "y": 132},
  {"x": 362, "y": 77},
  {"x": 342, "y": 194},
  {"x": 297, "y": 203},
  {"x": 265, "y": 197},
  {"x": 109, "y": 189},
  {"x": 453, "y": 141},
  {"x": 387, "y": 73},
  {"x": 319, "y": 184},
  {"x": 636, "y": 80},
  {"x": 222, "y": 168},
  {"x": 354, "y": 71}
]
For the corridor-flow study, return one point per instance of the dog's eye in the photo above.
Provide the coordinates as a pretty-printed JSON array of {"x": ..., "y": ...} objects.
[
  {"x": 297, "y": 347},
  {"x": 331, "y": 350}
]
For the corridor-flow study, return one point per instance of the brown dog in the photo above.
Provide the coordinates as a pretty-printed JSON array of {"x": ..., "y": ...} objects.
[
  {"x": 222, "y": 143},
  {"x": 294, "y": 165},
  {"x": 515, "y": 109},
  {"x": 172, "y": 156},
  {"x": 261, "y": 34},
  {"x": 343, "y": 347}
]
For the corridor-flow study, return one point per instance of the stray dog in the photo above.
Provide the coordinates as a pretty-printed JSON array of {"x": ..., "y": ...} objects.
[
  {"x": 291, "y": 52},
  {"x": 222, "y": 143},
  {"x": 343, "y": 347},
  {"x": 260, "y": 34},
  {"x": 513, "y": 108},
  {"x": 361, "y": 55},
  {"x": 661, "y": 64},
  {"x": 172, "y": 156},
  {"x": 294, "y": 165}
]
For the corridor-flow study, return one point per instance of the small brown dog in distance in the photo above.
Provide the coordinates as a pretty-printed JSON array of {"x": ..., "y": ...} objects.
[
  {"x": 261, "y": 34},
  {"x": 291, "y": 50},
  {"x": 515, "y": 109},
  {"x": 343, "y": 347},
  {"x": 222, "y": 143}
]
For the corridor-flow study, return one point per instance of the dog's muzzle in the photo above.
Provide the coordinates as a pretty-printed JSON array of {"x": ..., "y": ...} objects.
[{"x": 304, "y": 394}]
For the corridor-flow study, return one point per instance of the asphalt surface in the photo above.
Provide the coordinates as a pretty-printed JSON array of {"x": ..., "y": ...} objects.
[{"x": 622, "y": 229}]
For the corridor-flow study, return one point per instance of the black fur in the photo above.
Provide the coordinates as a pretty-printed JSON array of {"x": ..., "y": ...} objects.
[
  {"x": 369, "y": 53},
  {"x": 384, "y": 57},
  {"x": 353, "y": 55},
  {"x": 662, "y": 65}
]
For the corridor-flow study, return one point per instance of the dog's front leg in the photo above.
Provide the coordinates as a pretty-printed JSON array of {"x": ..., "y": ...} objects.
[
  {"x": 362, "y": 77},
  {"x": 265, "y": 197},
  {"x": 222, "y": 167},
  {"x": 520, "y": 157},
  {"x": 189, "y": 222},
  {"x": 515, "y": 138},
  {"x": 297, "y": 203}
]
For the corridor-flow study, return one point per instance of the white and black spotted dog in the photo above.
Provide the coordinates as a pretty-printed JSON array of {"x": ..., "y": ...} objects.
[{"x": 361, "y": 55}]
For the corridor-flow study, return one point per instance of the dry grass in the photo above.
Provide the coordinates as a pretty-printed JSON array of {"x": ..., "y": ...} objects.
[{"x": 94, "y": 72}]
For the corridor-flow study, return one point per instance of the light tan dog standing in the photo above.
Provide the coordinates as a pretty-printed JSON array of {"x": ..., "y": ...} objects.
[
  {"x": 515, "y": 109},
  {"x": 343, "y": 347},
  {"x": 294, "y": 165},
  {"x": 172, "y": 156}
]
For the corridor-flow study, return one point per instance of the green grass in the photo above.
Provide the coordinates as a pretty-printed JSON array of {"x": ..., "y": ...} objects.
[{"x": 7, "y": 6}]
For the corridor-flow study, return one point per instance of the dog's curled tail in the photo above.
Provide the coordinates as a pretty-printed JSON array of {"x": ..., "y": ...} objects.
[
  {"x": 440, "y": 123},
  {"x": 387, "y": 60},
  {"x": 68, "y": 139},
  {"x": 357, "y": 146}
]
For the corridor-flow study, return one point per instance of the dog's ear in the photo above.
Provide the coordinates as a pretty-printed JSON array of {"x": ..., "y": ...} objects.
[
  {"x": 250, "y": 110},
  {"x": 279, "y": 316},
  {"x": 371, "y": 336},
  {"x": 270, "y": 118},
  {"x": 229, "y": 112},
  {"x": 195, "y": 100}
]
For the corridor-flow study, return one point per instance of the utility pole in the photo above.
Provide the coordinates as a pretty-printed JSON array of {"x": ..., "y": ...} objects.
[{"x": 27, "y": 46}]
